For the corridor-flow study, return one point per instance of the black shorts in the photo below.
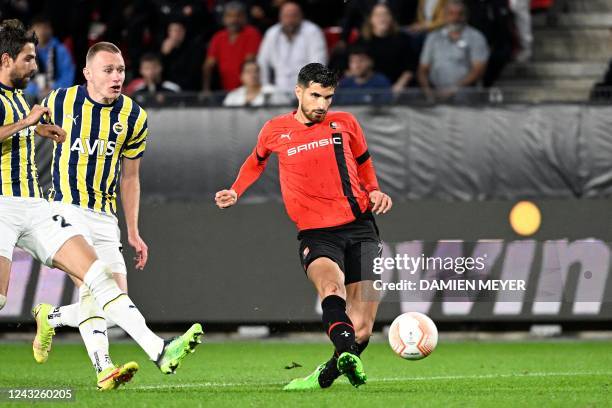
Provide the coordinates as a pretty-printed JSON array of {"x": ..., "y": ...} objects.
[{"x": 353, "y": 246}]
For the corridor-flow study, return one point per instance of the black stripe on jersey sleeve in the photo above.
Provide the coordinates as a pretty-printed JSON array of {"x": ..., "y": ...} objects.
[
  {"x": 345, "y": 178},
  {"x": 363, "y": 158},
  {"x": 135, "y": 145},
  {"x": 259, "y": 158}
]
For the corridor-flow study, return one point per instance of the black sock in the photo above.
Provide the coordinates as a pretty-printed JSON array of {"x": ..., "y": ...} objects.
[
  {"x": 362, "y": 346},
  {"x": 330, "y": 372},
  {"x": 338, "y": 325}
]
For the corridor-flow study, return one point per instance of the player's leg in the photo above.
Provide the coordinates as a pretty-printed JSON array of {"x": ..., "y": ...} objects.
[
  {"x": 102, "y": 232},
  {"x": 91, "y": 321},
  {"x": 328, "y": 280},
  {"x": 58, "y": 245},
  {"x": 363, "y": 314},
  {"x": 95, "y": 329},
  {"x": 361, "y": 298},
  {"x": 68, "y": 315},
  {"x": 362, "y": 310},
  {"x": 79, "y": 259}
]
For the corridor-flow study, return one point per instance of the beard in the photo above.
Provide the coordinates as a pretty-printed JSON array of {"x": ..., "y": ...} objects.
[
  {"x": 20, "y": 82},
  {"x": 315, "y": 116}
]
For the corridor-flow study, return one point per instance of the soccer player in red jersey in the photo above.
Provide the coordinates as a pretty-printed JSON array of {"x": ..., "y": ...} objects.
[{"x": 330, "y": 191}]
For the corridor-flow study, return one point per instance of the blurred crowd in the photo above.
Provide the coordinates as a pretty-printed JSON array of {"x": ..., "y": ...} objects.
[{"x": 252, "y": 49}]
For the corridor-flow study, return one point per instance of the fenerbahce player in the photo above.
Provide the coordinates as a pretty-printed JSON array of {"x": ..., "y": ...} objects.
[{"x": 330, "y": 190}]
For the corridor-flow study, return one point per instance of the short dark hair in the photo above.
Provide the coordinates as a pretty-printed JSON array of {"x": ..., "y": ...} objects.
[
  {"x": 14, "y": 36},
  {"x": 234, "y": 6},
  {"x": 150, "y": 57},
  {"x": 319, "y": 74},
  {"x": 359, "y": 50}
]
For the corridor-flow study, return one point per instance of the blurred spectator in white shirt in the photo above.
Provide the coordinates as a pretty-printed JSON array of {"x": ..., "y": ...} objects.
[
  {"x": 289, "y": 45},
  {"x": 252, "y": 92}
]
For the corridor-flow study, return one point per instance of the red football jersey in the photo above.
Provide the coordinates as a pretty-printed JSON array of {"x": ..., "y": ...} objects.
[{"x": 325, "y": 168}]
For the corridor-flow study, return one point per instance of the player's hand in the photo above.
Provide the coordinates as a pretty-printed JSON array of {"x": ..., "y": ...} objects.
[
  {"x": 226, "y": 198},
  {"x": 141, "y": 249},
  {"x": 35, "y": 114},
  {"x": 53, "y": 132},
  {"x": 381, "y": 203}
]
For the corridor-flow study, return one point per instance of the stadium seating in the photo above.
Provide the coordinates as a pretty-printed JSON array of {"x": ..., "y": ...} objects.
[{"x": 568, "y": 56}]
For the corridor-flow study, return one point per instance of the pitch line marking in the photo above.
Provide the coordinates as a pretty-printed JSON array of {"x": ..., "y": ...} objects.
[{"x": 376, "y": 380}]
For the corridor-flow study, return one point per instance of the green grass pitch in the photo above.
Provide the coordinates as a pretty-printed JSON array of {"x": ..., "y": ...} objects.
[{"x": 235, "y": 374}]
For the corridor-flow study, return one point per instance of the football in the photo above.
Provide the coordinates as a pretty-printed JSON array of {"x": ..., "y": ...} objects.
[{"x": 413, "y": 336}]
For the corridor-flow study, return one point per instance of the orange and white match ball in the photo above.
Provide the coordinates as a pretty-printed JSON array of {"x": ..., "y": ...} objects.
[{"x": 413, "y": 336}]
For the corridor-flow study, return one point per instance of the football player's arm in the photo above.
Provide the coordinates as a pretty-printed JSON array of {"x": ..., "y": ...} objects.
[
  {"x": 46, "y": 128},
  {"x": 130, "y": 187},
  {"x": 130, "y": 201},
  {"x": 250, "y": 171},
  {"x": 381, "y": 202},
  {"x": 32, "y": 119},
  {"x": 365, "y": 167}
]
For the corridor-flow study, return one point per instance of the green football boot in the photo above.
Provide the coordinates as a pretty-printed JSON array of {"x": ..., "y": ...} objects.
[
  {"x": 113, "y": 377},
  {"x": 44, "y": 332},
  {"x": 351, "y": 366},
  {"x": 311, "y": 382},
  {"x": 176, "y": 349}
]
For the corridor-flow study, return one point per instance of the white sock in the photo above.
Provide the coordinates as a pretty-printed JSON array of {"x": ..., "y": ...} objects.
[
  {"x": 119, "y": 308},
  {"x": 64, "y": 316},
  {"x": 68, "y": 316},
  {"x": 93, "y": 331}
]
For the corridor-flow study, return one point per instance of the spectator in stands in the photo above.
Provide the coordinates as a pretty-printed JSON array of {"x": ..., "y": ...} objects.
[
  {"x": 147, "y": 20},
  {"x": 362, "y": 85},
  {"x": 455, "y": 56},
  {"x": 289, "y": 45},
  {"x": 181, "y": 57},
  {"x": 230, "y": 47},
  {"x": 522, "y": 18},
  {"x": 494, "y": 19},
  {"x": 389, "y": 47},
  {"x": 357, "y": 11},
  {"x": 252, "y": 92},
  {"x": 151, "y": 82},
  {"x": 55, "y": 65}
]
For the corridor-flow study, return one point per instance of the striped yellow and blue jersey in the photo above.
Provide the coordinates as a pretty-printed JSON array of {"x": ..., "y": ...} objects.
[
  {"x": 85, "y": 168},
  {"x": 18, "y": 177}
]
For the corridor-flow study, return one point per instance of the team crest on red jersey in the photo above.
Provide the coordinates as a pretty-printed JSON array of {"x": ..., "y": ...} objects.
[{"x": 333, "y": 125}]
